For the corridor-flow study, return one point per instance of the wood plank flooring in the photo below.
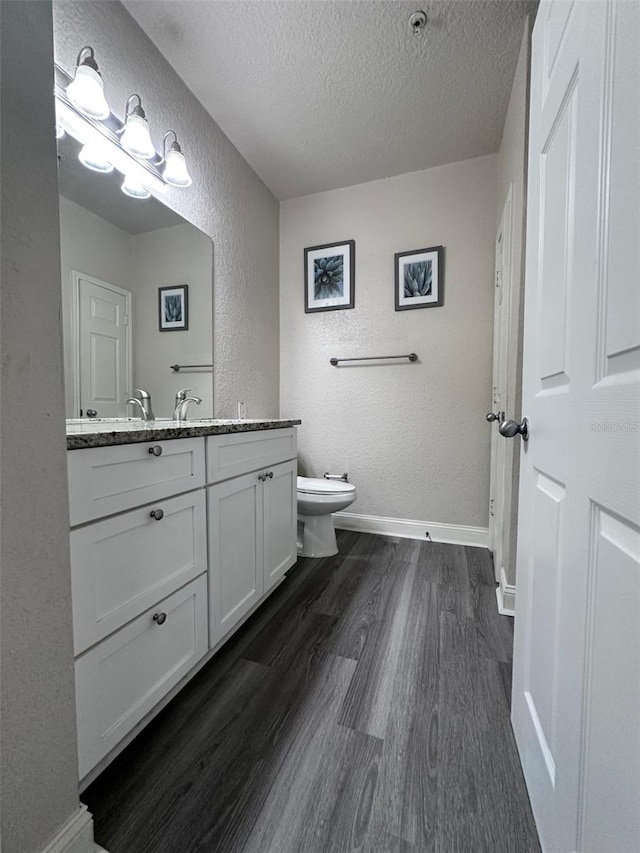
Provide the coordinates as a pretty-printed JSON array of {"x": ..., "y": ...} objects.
[{"x": 364, "y": 707}]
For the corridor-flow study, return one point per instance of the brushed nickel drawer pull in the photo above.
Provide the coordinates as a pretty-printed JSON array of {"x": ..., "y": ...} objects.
[
  {"x": 158, "y": 514},
  {"x": 160, "y": 618},
  {"x": 156, "y": 450}
]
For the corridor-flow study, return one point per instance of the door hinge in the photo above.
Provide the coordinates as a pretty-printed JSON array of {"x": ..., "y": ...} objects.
[{"x": 491, "y": 512}]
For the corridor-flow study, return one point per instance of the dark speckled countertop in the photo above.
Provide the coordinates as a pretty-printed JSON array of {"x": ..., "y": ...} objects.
[{"x": 100, "y": 433}]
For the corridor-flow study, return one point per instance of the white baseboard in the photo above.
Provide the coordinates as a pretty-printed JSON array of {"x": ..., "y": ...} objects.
[
  {"x": 76, "y": 836},
  {"x": 506, "y": 595},
  {"x": 455, "y": 534}
]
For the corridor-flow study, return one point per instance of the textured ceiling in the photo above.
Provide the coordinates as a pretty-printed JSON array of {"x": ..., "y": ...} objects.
[{"x": 319, "y": 94}]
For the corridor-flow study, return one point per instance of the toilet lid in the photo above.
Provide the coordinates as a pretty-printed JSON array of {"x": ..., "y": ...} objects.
[{"x": 313, "y": 486}]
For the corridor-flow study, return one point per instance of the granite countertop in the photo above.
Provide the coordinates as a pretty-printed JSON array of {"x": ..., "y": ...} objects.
[{"x": 100, "y": 433}]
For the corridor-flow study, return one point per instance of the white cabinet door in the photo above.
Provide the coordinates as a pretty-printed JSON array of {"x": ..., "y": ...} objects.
[
  {"x": 235, "y": 510},
  {"x": 123, "y": 565},
  {"x": 280, "y": 521},
  {"x": 122, "y": 678}
]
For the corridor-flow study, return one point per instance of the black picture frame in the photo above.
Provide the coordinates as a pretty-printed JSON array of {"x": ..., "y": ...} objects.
[
  {"x": 340, "y": 276},
  {"x": 419, "y": 278},
  {"x": 173, "y": 302}
]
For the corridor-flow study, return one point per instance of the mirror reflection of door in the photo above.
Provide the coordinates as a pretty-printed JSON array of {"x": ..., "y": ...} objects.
[{"x": 104, "y": 346}]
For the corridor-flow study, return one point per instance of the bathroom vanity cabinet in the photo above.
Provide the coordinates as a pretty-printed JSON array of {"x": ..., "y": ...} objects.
[
  {"x": 252, "y": 521},
  {"x": 173, "y": 543}
]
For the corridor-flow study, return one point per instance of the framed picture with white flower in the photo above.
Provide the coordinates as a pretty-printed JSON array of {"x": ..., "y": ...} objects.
[
  {"x": 419, "y": 278},
  {"x": 173, "y": 308},
  {"x": 329, "y": 276}
]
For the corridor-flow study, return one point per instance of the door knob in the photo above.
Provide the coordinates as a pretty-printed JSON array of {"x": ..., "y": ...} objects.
[
  {"x": 510, "y": 428},
  {"x": 495, "y": 416}
]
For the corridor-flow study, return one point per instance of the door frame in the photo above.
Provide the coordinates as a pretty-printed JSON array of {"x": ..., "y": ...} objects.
[
  {"x": 76, "y": 277},
  {"x": 508, "y": 349}
]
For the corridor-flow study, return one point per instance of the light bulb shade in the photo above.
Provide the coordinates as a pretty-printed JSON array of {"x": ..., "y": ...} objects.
[
  {"x": 94, "y": 158},
  {"x": 133, "y": 188},
  {"x": 136, "y": 137},
  {"x": 86, "y": 92},
  {"x": 175, "y": 169}
]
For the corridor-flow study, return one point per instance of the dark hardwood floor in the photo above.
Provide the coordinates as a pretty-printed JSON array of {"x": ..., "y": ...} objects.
[{"x": 364, "y": 707}]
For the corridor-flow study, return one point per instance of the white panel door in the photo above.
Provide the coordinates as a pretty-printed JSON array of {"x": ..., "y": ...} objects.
[
  {"x": 104, "y": 347},
  {"x": 576, "y": 693},
  {"x": 280, "y": 521},
  {"x": 235, "y": 551}
]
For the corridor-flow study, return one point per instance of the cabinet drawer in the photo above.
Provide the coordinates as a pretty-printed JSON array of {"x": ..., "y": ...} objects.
[
  {"x": 238, "y": 453},
  {"x": 123, "y": 565},
  {"x": 106, "y": 480},
  {"x": 120, "y": 680}
]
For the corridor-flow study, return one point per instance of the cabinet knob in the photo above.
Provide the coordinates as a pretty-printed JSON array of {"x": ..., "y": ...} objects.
[
  {"x": 160, "y": 618},
  {"x": 156, "y": 450},
  {"x": 270, "y": 475},
  {"x": 158, "y": 514},
  {"x": 262, "y": 477}
]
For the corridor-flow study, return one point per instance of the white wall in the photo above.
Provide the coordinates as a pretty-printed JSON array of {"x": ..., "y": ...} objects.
[
  {"x": 512, "y": 170},
  {"x": 166, "y": 258},
  {"x": 227, "y": 201},
  {"x": 411, "y": 436},
  {"x": 91, "y": 245},
  {"x": 38, "y": 759}
]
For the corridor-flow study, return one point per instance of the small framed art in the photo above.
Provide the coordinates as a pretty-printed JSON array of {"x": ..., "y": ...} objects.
[
  {"x": 173, "y": 308},
  {"x": 419, "y": 279},
  {"x": 329, "y": 276}
]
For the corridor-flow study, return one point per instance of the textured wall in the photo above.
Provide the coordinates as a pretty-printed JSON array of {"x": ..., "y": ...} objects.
[
  {"x": 227, "y": 200},
  {"x": 165, "y": 258},
  {"x": 38, "y": 769},
  {"x": 91, "y": 245},
  {"x": 512, "y": 169},
  {"x": 411, "y": 436}
]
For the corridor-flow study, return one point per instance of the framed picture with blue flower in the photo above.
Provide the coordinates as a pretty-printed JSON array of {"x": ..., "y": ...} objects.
[
  {"x": 419, "y": 278},
  {"x": 329, "y": 276},
  {"x": 173, "y": 308}
]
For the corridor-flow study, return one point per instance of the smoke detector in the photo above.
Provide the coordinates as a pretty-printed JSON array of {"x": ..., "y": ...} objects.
[{"x": 418, "y": 21}]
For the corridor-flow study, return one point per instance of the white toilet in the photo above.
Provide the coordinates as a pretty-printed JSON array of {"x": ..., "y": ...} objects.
[{"x": 317, "y": 499}]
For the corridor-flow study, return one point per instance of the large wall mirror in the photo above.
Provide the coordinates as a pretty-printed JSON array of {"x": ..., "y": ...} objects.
[{"x": 116, "y": 253}]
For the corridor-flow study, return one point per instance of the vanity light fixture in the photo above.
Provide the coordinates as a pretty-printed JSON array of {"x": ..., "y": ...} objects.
[
  {"x": 94, "y": 157},
  {"x": 135, "y": 135},
  {"x": 86, "y": 90},
  {"x": 109, "y": 143},
  {"x": 175, "y": 166},
  {"x": 132, "y": 187}
]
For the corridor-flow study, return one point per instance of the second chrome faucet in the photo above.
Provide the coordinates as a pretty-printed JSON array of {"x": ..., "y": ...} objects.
[{"x": 183, "y": 401}]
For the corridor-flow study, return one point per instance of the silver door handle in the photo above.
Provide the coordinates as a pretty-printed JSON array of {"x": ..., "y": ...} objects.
[
  {"x": 510, "y": 428},
  {"x": 495, "y": 416}
]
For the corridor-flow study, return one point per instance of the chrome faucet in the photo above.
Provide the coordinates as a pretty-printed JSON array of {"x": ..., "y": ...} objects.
[
  {"x": 142, "y": 399},
  {"x": 182, "y": 406}
]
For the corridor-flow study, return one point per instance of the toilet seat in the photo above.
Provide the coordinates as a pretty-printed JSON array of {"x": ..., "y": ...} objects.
[{"x": 317, "y": 486}]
